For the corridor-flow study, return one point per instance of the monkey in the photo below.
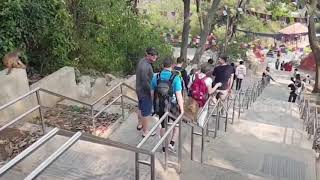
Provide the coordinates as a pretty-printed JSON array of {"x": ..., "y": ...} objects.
[{"x": 12, "y": 60}]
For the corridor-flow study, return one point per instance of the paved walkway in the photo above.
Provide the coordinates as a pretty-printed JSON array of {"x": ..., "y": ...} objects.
[{"x": 268, "y": 142}]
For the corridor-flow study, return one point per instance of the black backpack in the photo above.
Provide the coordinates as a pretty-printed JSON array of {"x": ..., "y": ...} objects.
[{"x": 163, "y": 95}]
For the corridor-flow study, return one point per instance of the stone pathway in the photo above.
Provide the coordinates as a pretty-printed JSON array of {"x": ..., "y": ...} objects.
[{"x": 267, "y": 142}]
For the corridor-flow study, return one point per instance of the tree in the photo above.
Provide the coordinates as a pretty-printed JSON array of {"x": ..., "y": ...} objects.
[
  {"x": 206, "y": 30},
  {"x": 315, "y": 46},
  {"x": 186, "y": 29}
]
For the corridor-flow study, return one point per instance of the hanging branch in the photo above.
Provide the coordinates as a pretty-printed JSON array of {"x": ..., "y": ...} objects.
[{"x": 206, "y": 30}]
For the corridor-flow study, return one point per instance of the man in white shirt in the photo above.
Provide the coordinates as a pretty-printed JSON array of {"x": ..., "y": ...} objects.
[{"x": 241, "y": 72}]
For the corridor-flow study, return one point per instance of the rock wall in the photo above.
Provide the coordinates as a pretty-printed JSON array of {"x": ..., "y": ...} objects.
[
  {"x": 13, "y": 86},
  {"x": 62, "y": 81}
]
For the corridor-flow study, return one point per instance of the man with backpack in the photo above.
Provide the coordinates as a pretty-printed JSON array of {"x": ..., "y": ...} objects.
[
  {"x": 167, "y": 93},
  {"x": 144, "y": 74},
  {"x": 223, "y": 74},
  {"x": 182, "y": 72}
]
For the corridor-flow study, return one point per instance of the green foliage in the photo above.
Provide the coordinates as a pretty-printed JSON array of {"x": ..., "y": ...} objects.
[
  {"x": 258, "y": 5},
  {"x": 44, "y": 28},
  {"x": 254, "y": 24},
  {"x": 104, "y": 35},
  {"x": 112, "y": 37},
  {"x": 155, "y": 17},
  {"x": 280, "y": 9}
]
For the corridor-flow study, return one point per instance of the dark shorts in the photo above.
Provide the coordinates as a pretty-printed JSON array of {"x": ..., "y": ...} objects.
[{"x": 145, "y": 106}]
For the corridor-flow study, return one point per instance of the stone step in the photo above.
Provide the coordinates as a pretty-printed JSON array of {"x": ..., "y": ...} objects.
[
  {"x": 28, "y": 164},
  {"x": 193, "y": 170},
  {"x": 86, "y": 160},
  {"x": 251, "y": 155}
]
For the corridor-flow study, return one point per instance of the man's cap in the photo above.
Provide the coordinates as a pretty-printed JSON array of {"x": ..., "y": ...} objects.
[{"x": 151, "y": 51}]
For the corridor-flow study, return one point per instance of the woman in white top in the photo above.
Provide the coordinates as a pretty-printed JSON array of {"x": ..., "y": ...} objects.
[{"x": 241, "y": 72}]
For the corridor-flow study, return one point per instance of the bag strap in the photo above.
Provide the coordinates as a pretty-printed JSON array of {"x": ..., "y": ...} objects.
[
  {"x": 158, "y": 78},
  {"x": 171, "y": 79}
]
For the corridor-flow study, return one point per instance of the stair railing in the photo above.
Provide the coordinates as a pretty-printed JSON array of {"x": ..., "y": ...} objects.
[{"x": 87, "y": 137}]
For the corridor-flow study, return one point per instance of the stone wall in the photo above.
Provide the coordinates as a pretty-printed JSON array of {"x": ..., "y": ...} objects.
[
  {"x": 62, "y": 81},
  {"x": 13, "y": 86}
]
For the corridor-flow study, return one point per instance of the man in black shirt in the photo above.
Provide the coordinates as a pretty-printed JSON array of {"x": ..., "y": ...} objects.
[
  {"x": 144, "y": 74},
  {"x": 223, "y": 74}
]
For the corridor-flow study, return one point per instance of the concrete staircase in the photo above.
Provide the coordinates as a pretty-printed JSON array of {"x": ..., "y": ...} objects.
[{"x": 267, "y": 142}]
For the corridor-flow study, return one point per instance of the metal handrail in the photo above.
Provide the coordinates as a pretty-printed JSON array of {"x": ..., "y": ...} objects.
[
  {"x": 153, "y": 129},
  {"x": 107, "y": 106},
  {"x": 64, "y": 97},
  {"x": 19, "y": 117},
  {"x": 204, "y": 128},
  {"x": 107, "y": 93},
  {"x": 167, "y": 133},
  {"x": 92, "y": 139},
  {"x": 255, "y": 90},
  {"x": 53, "y": 157},
  {"x": 28, "y": 151},
  {"x": 18, "y": 99}
]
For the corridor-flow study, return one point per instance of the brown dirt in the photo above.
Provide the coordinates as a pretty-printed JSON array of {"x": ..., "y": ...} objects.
[
  {"x": 69, "y": 118},
  {"x": 14, "y": 141}
]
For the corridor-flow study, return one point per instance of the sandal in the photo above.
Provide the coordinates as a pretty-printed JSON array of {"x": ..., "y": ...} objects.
[{"x": 139, "y": 127}]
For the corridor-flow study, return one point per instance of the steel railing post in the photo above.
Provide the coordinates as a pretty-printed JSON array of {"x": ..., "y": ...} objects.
[
  {"x": 137, "y": 172},
  {"x": 216, "y": 127},
  {"x": 93, "y": 120},
  {"x": 40, "y": 112},
  {"x": 202, "y": 144},
  {"x": 192, "y": 141},
  {"x": 234, "y": 107},
  {"x": 166, "y": 120},
  {"x": 122, "y": 102},
  {"x": 180, "y": 147},
  {"x": 152, "y": 167}
]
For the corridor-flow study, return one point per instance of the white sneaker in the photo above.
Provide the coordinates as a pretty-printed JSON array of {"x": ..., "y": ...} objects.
[
  {"x": 171, "y": 148},
  {"x": 152, "y": 134}
]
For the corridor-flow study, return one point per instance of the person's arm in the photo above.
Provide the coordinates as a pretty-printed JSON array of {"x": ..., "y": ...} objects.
[
  {"x": 180, "y": 101},
  {"x": 271, "y": 78},
  {"x": 146, "y": 80},
  {"x": 185, "y": 77},
  {"x": 153, "y": 85},
  {"x": 230, "y": 82},
  {"x": 245, "y": 71},
  {"x": 237, "y": 71},
  {"x": 292, "y": 79},
  {"x": 178, "y": 91},
  {"x": 211, "y": 90}
]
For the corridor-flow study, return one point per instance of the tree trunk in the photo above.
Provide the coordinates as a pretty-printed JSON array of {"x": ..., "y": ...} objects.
[
  {"x": 186, "y": 30},
  {"x": 206, "y": 30},
  {"x": 314, "y": 45},
  {"x": 200, "y": 21},
  {"x": 234, "y": 20}
]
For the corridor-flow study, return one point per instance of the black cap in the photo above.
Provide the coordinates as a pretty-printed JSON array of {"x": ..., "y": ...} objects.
[{"x": 151, "y": 51}]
